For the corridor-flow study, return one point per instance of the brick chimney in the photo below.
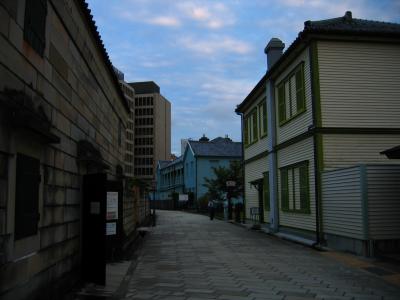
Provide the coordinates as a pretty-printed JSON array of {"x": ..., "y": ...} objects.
[{"x": 273, "y": 50}]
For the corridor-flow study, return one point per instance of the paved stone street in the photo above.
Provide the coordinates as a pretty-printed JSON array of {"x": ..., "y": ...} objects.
[{"x": 187, "y": 256}]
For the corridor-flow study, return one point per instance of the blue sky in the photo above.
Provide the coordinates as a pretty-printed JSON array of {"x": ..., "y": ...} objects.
[{"x": 207, "y": 55}]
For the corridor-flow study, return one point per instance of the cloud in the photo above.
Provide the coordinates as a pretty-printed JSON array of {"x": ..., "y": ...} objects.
[
  {"x": 211, "y": 15},
  {"x": 216, "y": 44},
  {"x": 164, "y": 21},
  {"x": 147, "y": 16}
]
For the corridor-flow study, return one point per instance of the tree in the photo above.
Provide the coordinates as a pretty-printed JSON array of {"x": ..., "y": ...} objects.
[{"x": 217, "y": 186}]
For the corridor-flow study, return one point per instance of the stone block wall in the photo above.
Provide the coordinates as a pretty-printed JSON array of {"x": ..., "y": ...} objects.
[{"x": 74, "y": 87}]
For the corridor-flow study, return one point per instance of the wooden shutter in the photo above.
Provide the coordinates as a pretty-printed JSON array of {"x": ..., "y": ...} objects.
[
  {"x": 266, "y": 191},
  {"x": 281, "y": 103},
  {"x": 255, "y": 126},
  {"x": 35, "y": 24},
  {"x": 246, "y": 131},
  {"x": 284, "y": 189},
  {"x": 300, "y": 101},
  {"x": 304, "y": 196},
  {"x": 27, "y": 196},
  {"x": 264, "y": 118}
]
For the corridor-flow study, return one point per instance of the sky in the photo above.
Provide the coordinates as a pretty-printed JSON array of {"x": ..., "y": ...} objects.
[{"x": 207, "y": 55}]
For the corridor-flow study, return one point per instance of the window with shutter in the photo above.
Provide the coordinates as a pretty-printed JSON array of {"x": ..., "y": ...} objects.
[
  {"x": 35, "y": 24},
  {"x": 262, "y": 110},
  {"x": 291, "y": 95},
  {"x": 26, "y": 196},
  {"x": 251, "y": 127},
  {"x": 295, "y": 188}
]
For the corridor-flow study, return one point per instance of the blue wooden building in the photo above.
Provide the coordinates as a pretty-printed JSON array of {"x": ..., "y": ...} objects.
[{"x": 186, "y": 174}]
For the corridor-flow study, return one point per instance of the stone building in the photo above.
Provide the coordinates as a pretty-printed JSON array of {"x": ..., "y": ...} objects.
[{"x": 62, "y": 117}]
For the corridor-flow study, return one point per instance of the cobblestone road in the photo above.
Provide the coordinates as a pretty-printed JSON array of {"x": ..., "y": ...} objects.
[{"x": 189, "y": 257}]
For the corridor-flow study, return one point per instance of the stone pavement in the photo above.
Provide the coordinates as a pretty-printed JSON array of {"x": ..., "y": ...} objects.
[{"x": 189, "y": 257}]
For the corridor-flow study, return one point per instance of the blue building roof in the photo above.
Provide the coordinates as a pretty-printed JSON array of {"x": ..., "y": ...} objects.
[
  {"x": 166, "y": 163},
  {"x": 218, "y": 147}
]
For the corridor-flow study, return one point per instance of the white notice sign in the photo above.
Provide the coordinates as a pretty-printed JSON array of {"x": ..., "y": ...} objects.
[
  {"x": 111, "y": 228},
  {"x": 183, "y": 197},
  {"x": 112, "y": 206}
]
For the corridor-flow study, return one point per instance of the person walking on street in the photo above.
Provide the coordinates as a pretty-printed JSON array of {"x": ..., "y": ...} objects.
[{"x": 211, "y": 209}]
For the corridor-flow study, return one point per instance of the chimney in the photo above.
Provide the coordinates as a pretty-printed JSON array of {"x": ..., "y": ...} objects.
[{"x": 273, "y": 50}]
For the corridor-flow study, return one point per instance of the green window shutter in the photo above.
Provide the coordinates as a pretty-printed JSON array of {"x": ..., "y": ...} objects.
[
  {"x": 266, "y": 191},
  {"x": 35, "y": 24},
  {"x": 281, "y": 103},
  {"x": 284, "y": 190},
  {"x": 26, "y": 196},
  {"x": 255, "y": 126},
  {"x": 246, "y": 131},
  {"x": 300, "y": 98},
  {"x": 304, "y": 194},
  {"x": 264, "y": 118}
]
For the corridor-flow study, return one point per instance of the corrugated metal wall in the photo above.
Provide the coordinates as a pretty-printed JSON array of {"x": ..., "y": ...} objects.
[
  {"x": 384, "y": 201},
  {"x": 341, "y": 202}
]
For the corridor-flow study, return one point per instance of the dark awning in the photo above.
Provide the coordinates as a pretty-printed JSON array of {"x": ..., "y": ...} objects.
[
  {"x": 392, "y": 153},
  {"x": 21, "y": 113},
  {"x": 89, "y": 154},
  {"x": 257, "y": 183}
]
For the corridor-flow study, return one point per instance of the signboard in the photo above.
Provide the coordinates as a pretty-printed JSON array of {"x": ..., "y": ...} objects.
[
  {"x": 230, "y": 183},
  {"x": 112, "y": 206},
  {"x": 183, "y": 197},
  {"x": 111, "y": 228}
]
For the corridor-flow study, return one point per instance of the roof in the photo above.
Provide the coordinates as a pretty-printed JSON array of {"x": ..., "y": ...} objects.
[
  {"x": 220, "y": 147},
  {"x": 167, "y": 163},
  {"x": 145, "y": 87},
  {"x": 103, "y": 52},
  {"x": 163, "y": 163},
  {"x": 346, "y": 25}
]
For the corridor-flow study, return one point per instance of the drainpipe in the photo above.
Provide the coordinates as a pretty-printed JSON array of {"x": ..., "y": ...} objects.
[
  {"x": 272, "y": 158},
  {"x": 242, "y": 163}
]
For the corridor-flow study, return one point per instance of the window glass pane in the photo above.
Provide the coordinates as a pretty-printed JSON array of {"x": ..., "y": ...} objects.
[
  {"x": 287, "y": 99},
  {"x": 296, "y": 188},
  {"x": 293, "y": 105},
  {"x": 304, "y": 189}
]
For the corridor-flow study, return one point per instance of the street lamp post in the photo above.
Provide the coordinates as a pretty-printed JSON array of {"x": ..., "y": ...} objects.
[{"x": 154, "y": 187}]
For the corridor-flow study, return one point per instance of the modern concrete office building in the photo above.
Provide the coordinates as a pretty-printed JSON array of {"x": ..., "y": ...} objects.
[{"x": 152, "y": 134}]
